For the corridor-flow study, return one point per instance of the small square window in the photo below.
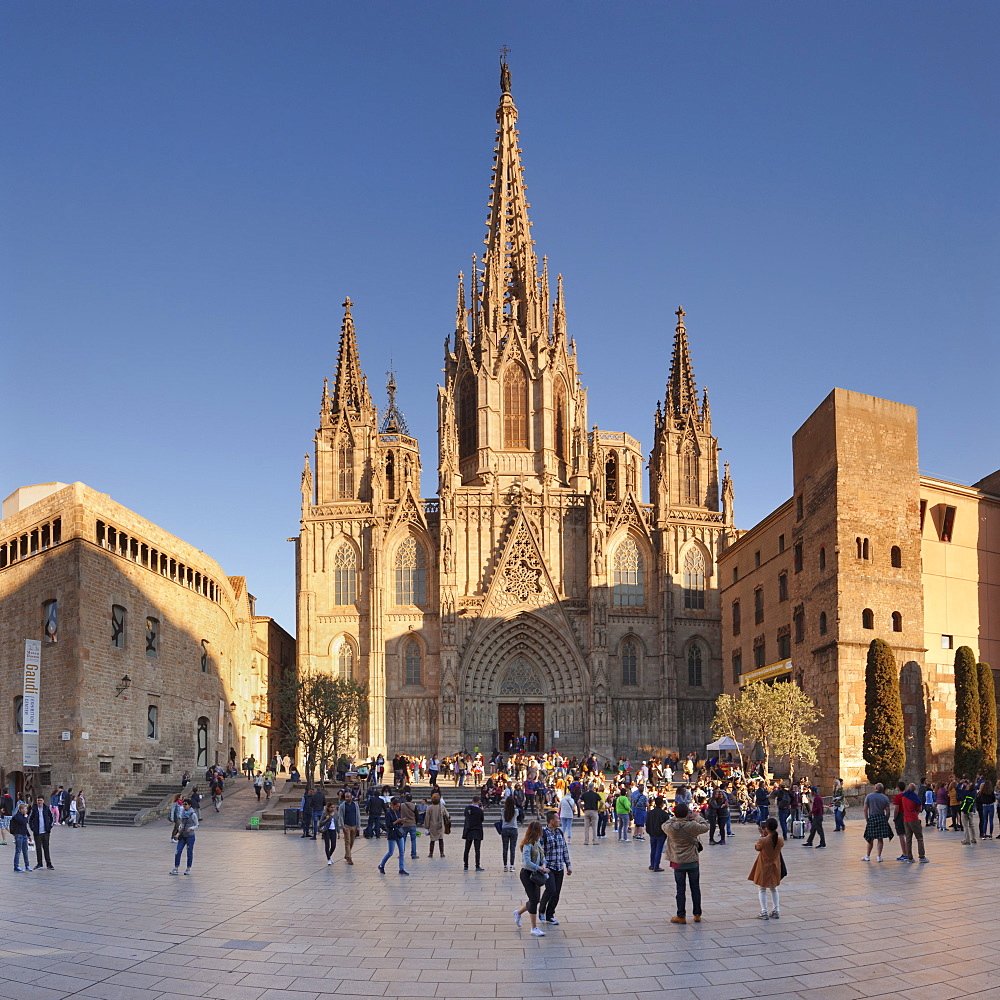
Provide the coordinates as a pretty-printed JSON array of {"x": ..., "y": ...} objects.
[
  {"x": 104, "y": 767},
  {"x": 164, "y": 769},
  {"x": 137, "y": 767},
  {"x": 947, "y": 642}
]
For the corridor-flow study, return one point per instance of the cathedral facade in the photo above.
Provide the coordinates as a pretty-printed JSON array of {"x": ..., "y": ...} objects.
[{"x": 537, "y": 597}]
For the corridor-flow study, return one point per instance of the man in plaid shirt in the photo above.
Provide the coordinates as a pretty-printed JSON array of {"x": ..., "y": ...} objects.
[{"x": 557, "y": 861}]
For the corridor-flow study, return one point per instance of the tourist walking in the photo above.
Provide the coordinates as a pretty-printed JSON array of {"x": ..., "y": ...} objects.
[
  {"x": 394, "y": 836},
  {"x": 349, "y": 823},
  {"x": 6, "y": 811},
  {"x": 655, "y": 820},
  {"x": 766, "y": 871},
  {"x": 41, "y": 821},
  {"x": 567, "y": 809},
  {"x": 683, "y": 847},
  {"x": 913, "y": 823},
  {"x": 986, "y": 802},
  {"x": 328, "y": 826},
  {"x": 534, "y": 874},
  {"x": 185, "y": 837},
  {"x": 941, "y": 800},
  {"x": 591, "y": 802},
  {"x": 640, "y": 806},
  {"x": 816, "y": 820},
  {"x": 877, "y": 827},
  {"x": 81, "y": 808},
  {"x": 472, "y": 832},
  {"x": 508, "y": 833},
  {"x": 623, "y": 815},
  {"x": 558, "y": 863},
  {"x": 966, "y": 808},
  {"x": 408, "y": 814},
  {"x": 718, "y": 816},
  {"x": 21, "y": 833},
  {"x": 839, "y": 808},
  {"x": 437, "y": 821}
]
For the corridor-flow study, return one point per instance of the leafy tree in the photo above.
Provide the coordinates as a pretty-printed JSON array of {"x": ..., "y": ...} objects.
[
  {"x": 322, "y": 714},
  {"x": 777, "y": 716},
  {"x": 968, "y": 742},
  {"x": 988, "y": 720},
  {"x": 884, "y": 748},
  {"x": 795, "y": 716}
]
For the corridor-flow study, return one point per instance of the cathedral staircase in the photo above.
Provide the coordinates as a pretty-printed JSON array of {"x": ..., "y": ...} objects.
[{"x": 133, "y": 810}]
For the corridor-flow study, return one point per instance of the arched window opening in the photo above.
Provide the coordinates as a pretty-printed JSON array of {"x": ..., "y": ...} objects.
[
  {"x": 560, "y": 422},
  {"x": 694, "y": 665},
  {"x": 611, "y": 477},
  {"x": 345, "y": 575},
  {"x": 822, "y": 623},
  {"x": 411, "y": 573},
  {"x": 204, "y": 656},
  {"x": 689, "y": 474},
  {"x": 202, "y": 742},
  {"x": 152, "y": 723},
  {"x": 118, "y": 614},
  {"x": 896, "y": 556},
  {"x": 628, "y": 581},
  {"x": 858, "y": 543},
  {"x": 152, "y": 638},
  {"x": 345, "y": 472},
  {"x": 344, "y": 658},
  {"x": 822, "y": 557},
  {"x": 412, "y": 673},
  {"x": 868, "y": 618},
  {"x": 50, "y": 621},
  {"x": 468, "y": 438},
  {"x": 515, "y": 408},
  {"x": 630, "y": 664},
  {"x": 864, "y": 548},
  {"x": 390, "y": 476},
  {"x": 694, "y": 580},
  {"x": 897, "y": 622}
]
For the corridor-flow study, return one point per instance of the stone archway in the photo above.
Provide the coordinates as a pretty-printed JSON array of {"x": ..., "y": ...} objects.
[{"x": 526, "y": 662}]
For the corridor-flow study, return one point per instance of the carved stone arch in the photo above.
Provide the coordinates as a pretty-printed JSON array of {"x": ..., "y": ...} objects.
[
  {"x": 696, "y": 542},
  {"x": 344, "y": 656},
  {"x": 539, "y": 641},
  {"x": 619, "y": 566},
  {"x": 423, "y": 558}
]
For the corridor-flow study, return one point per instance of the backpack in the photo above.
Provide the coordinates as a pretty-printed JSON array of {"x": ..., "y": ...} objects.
[{"x": 784, "y": 799}]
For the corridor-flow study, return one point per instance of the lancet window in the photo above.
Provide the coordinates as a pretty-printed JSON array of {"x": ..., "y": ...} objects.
[
  {"x": 515, "y": 408},
  {"x": 628, "y": 582}
]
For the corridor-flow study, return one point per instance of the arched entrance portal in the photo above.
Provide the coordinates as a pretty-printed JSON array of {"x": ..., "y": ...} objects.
[
  {"x": 521, "y": 707},
  {"x": 522, "y": 682}
]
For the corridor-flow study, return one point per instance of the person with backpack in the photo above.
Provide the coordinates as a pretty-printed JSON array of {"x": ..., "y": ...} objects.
[
  {"x": 472, "y": 832},
  {"x": 718, "y": 816},
  {"x": 967, "y": 809},
  {"x": 640, "y": 806},
  {"x": 375, "y": 807},
  {"x": 623, "y": 815},
  {"x": 558, "y": 863},
  {"x": 508, "y": 832}
]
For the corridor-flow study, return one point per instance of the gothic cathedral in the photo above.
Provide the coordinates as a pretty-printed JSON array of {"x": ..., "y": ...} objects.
[{"x": 537, "y": 598}]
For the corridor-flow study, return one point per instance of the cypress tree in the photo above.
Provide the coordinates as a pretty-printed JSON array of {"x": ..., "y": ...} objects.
[
  {"x": 988, "y": 720},
  {"x": 884, "y": 747},
  {"x": 968, "y": 743}
]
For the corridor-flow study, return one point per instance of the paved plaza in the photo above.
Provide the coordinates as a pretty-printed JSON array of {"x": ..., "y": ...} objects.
[{"x": 262, "y": 917}]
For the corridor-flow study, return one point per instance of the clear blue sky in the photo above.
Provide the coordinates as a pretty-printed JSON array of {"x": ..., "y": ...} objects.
[{"x": 190, "y": 190}]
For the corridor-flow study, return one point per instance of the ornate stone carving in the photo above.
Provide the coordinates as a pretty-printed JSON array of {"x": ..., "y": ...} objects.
[
  {"x": 521, "y": 576},
  {"x": 522, "y": 680}
]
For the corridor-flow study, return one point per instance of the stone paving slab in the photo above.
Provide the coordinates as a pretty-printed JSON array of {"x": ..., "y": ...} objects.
[{"x": 262, "y": 917}]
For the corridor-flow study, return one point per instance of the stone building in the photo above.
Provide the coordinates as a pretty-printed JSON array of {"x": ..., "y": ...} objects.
[
  {"x": 866, "y": 547},
  {"x": 537, "y": 596},
  {"x": 153, "y": 661}
]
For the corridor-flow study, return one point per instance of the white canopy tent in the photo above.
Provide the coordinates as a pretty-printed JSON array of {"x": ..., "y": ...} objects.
[{"x": 726, "y": 743}]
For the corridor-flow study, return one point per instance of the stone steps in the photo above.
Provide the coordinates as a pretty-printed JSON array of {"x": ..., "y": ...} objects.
[{"x": 127, "y": 808}]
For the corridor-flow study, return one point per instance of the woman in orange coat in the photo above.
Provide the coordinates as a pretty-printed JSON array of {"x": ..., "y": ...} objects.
[{"x": 766, "y": 871}]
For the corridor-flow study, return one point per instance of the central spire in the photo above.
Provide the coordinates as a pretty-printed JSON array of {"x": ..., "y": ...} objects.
[
  {"x": 510, "y": 275},
  {"x": 682, "y": 393},
  {"x": 350, "y": 388}
]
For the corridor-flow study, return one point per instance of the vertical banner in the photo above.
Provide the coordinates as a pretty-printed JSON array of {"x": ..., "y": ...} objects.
[
  {"x": 30, "y": 710},
  {"x": 222, "y": 719}
]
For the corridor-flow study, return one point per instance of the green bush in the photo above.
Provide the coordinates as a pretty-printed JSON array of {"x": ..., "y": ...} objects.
[
  {"x": 884, "y": 746},
  {"x": 968, "y": 741},
  {"x": 988, "y": 720}
]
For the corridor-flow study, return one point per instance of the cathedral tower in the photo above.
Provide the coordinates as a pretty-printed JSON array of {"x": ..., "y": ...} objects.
[{"x": 537, "y": 601}]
